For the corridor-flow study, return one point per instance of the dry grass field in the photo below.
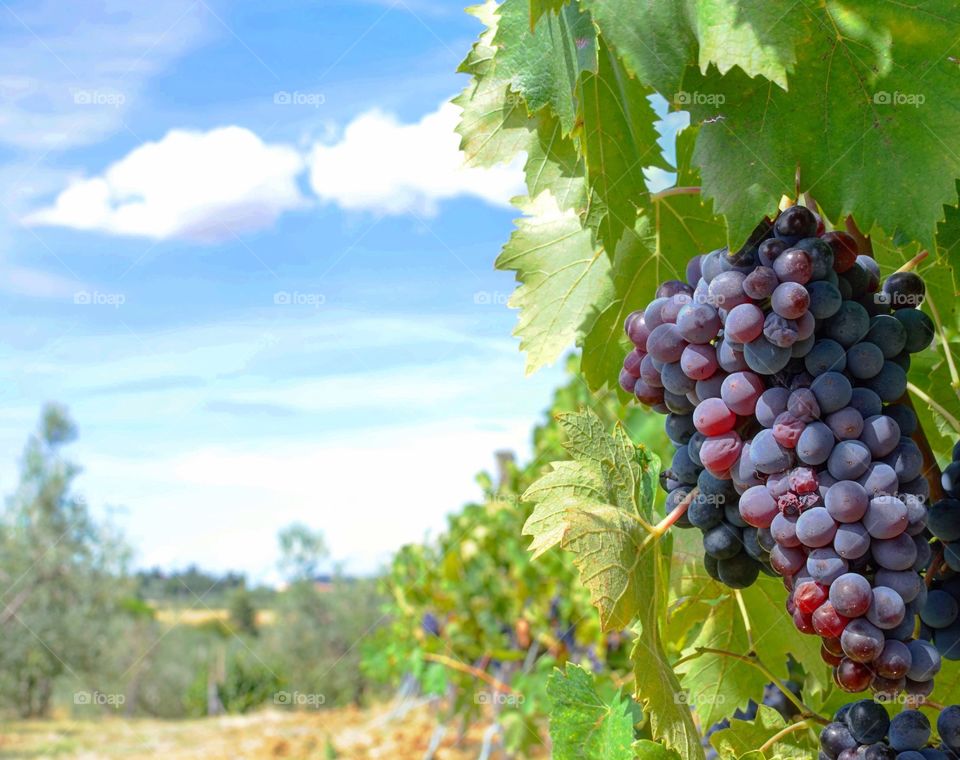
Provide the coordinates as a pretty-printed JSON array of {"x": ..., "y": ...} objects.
[{"x": 347, "y": 733}]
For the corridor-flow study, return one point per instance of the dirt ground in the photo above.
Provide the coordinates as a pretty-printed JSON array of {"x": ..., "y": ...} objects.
[{"x": 347, "y": 733}]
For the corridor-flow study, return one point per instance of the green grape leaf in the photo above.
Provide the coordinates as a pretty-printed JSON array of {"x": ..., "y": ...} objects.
[
  {"x": 658, "y": 688},
  {"x": 616, "y": 456},
  {"x": 494, "y": 126},
  {"x": 743, "y": 739},
  {"x": 717, "y": 684},
  {"x": 605, "y": 537},
  {"x": 544, "y": 64},
  {"x": 553, "y": 164},
  {"x": 582, "y": 724},
  {"x": 619, "y": 140},
  {"x": 765, "y": 603},
  {"x": 757, "y": 36},
  {"x": 644, "y": 749},
  {"x": 885, "y": 108},
  {"x": 563, "y": 274},
  {"x": 624, "y": 567},
  {"x": 607, "y": 548},
  {"x": 539, "y": 7},
  {"x": 653, "y": 38}
]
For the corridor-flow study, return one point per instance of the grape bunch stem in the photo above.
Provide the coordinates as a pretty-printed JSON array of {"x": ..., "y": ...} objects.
[{"x": 792, "y": 728}]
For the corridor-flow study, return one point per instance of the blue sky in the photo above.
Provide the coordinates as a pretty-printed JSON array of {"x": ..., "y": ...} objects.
[{"x": 237, "y": 243}]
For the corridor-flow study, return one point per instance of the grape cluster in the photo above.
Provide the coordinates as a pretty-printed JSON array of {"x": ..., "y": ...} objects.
[
  {"x": 865, "y": 730},
  {"x": 780, "y": 367}
]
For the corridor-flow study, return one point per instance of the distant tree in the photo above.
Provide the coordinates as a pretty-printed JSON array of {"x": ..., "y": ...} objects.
[
  {"x": 61, "y": 575},
  {"x": 242, "y": 611},
  {"x": 302, "y": 551}
]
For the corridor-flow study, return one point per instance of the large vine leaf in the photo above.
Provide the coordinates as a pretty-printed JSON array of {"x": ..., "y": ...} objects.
[
  {"x": 707, "y": 614},
  {"x": 870, "y": 119},
  {"x": 685, "y": 222},
  {"x": 619, "y": 140},
  {"x": 645, "y": 749},
  {"x": 653, "y": 37},
  {"x": 657, "y": 39},
  {"x": 743, "y": 739},
  {"x": 625, "y": 568},
  {"x": 494, "y": 126},
  {"x": 544, "y": 63},
  {"x": 765, "y": 602},
  {"x": 582, "y": 724},
  {"x": 717, "y": 684},
  {"x": 562, "y": 275},
  {"x": 554, "y": 165},
  {"x": 756, "y": 35}
]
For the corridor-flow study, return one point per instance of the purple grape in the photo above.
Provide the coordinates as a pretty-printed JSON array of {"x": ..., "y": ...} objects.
[
  {"x": 887, "y": 608},
  {"x": 850, "y": 595},
  {"x": 665, "y": 343},
  {"x": 815, "y": 444},
  {"x": 760, "y": 283},
  {"x": 771, "y": 404},
  {"x": 848, "y": 460},
  {"x": 846, "y": 424},
  {"x": 825, "y": 565},
  {"x": 816, "y": 528},
  {"x": 886, "y": 517},
  {"x": 897, "y": 553},
  {"x": 698, "y": 323},
  {"x": 881, "y": 434},
  {"x": 852, "y": 541},
  {"x": 846, "y": 501}
]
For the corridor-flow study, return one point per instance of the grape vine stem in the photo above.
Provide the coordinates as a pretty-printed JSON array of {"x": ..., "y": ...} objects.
[
  {"x": 656, "y": 532},
  {"x": 792, "y": 728},
  {"x": 753, "y": 660},
  {"x": 449, "y": 662},
  {"x": 936, "y": 567},
  {"x": 675, "y": 191},
  {"x": 746, "y": 618},
  {"x": 935, "y": 406},
  {"x": 914, "y": 262},
  {"x": 948, "y": 354}
]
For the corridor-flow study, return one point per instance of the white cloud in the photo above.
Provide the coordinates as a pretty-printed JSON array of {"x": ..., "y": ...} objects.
[
  {"x": 386, "y": 167},
  {"x": 209, "y": 186},
  {"x": 204, "y": 186}
]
